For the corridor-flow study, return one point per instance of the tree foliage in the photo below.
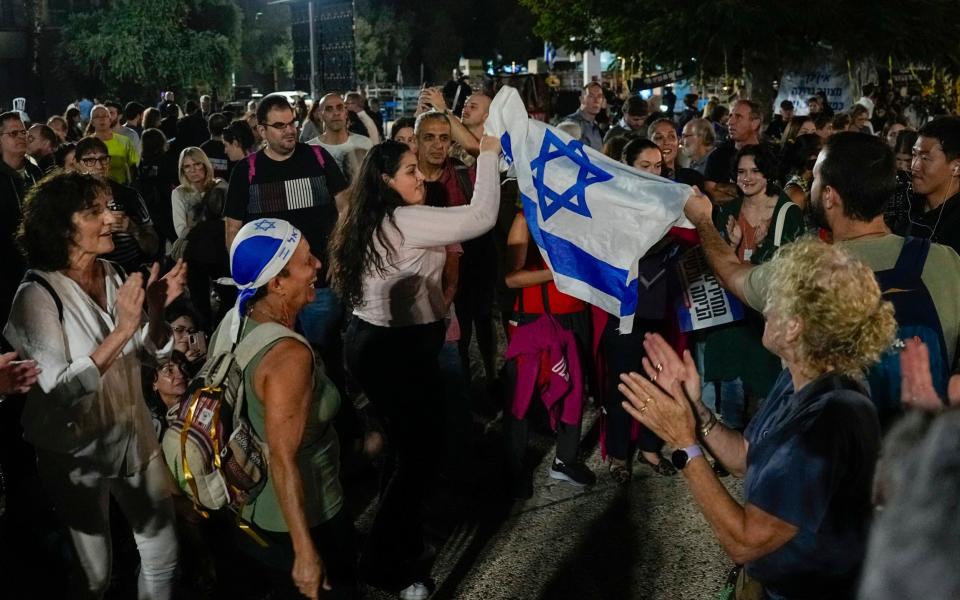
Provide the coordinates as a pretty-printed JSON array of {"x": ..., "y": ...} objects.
[
  {"x": 725, "y": 36},
  {"x": 159, "y": 44},
  {"x": 267, "y": 43},
  {"x": 382, "y": 39}
]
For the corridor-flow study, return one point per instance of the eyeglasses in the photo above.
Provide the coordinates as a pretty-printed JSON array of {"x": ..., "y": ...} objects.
[
  {"x": 191, "y": 166},
  {"x": 19, "y": 133},
  {"x": 180, "y": 330},
  {"x": 280, "y": 126},
  {"x": 91, "y": 161},
  {"x": 170, "y": 370}
]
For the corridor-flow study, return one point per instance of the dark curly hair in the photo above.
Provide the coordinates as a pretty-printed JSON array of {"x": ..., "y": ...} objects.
[
  {"x": 352, "y": 249},
  {"x": 766, "y": 161},
  {"x": 47, "y": 230}
]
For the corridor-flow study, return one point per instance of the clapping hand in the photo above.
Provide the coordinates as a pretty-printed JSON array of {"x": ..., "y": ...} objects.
[
  {"x": 916, "y": 383},
  {"x": 161, "y": 291},
  {"x": 734, "y": 233}
]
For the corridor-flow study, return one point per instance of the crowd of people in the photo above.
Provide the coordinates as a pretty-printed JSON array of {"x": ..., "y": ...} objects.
[{"x": 139, "y": 242}]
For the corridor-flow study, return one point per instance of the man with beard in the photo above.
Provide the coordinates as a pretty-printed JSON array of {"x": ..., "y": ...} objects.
[
  {"x": 301, "y": 184},
  {"x": 853, "y": 179}
]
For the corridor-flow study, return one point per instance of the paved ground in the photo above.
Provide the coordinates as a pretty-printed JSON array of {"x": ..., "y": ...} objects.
[{"x": 644, "y": 540}]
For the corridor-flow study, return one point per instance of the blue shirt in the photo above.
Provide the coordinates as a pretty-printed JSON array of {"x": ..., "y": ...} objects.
[{"x": 810, "y": 463}]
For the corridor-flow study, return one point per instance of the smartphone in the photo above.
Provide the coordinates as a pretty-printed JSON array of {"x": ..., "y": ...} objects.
[{"x": 197, "y": 342}]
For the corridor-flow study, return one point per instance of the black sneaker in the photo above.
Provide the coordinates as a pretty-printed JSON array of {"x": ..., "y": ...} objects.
[{"x": 575, "y": 473}]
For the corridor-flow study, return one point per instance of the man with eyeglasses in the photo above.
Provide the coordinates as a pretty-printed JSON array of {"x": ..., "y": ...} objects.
[
  {"x": 346, "y": 147},
  {"x": 301, "y": 184},
  {"x": 17, "y": 176},
  {"x": 135, "y": 241},
  {"x": 696, "y": 144}
]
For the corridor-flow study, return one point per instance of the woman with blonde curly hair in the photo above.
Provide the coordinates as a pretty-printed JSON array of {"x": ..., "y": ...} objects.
[{"x": 809, "y": 454}]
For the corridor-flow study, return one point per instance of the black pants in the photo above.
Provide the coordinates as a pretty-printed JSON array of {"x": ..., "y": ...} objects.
[
  {"x": 474, "y": 302},
  {"x": 624, "y": 353},
  {"x": 568, "y": 436},
  {"x": 397, "y": 369},
  {"x": 335, "y": 540}
]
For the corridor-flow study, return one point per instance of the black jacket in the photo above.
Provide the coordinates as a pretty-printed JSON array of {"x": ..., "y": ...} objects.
[{"x": 13, "y": 191}]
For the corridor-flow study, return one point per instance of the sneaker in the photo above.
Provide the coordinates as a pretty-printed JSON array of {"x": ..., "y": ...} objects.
[
  {"x": 415, "y": 591},
  {"x": 575, "y": 473}
]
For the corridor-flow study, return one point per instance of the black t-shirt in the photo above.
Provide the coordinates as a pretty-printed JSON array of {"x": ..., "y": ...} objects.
[
  {"x": 720, "y": 163},
  {"x": 941, "y": 225},
  {"x": 297, "y": 190},
  {"x": 217, "y": 153},
  {"x": 126, "y": 250}
]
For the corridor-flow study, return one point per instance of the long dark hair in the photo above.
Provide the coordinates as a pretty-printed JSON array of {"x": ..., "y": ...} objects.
[{"x": 353, "y": 250}]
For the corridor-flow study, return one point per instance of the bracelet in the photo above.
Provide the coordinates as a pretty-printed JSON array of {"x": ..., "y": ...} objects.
[{"x": 706, "y": 429}]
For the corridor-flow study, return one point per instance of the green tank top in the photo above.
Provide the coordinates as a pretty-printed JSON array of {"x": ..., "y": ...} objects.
[{"x": 318, "y": 457}]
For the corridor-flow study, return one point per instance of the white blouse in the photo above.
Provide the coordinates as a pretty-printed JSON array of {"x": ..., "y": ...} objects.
[
  {"x": 74, "y": 409},
  {"x": 410, "y": 292}
]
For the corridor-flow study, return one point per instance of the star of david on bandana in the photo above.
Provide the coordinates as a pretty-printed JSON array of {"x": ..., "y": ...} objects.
[
  {"x": 574, "y": 198},
  {"x": 264, "y": 225}
]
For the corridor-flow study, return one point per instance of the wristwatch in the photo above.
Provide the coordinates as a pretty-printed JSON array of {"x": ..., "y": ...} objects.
[{"x": 682, "y": 457}]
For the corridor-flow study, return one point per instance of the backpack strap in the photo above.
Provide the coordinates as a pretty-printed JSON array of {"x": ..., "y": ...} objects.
[
  {"x": 251, "y": 167},
  {"x": 909, "y": 266},
  {"x": 318, "y": 152},
  {"x": 32, "y": 276},
  {"x": 261, "y": 337},
  {"x": 781, "y": 221}
]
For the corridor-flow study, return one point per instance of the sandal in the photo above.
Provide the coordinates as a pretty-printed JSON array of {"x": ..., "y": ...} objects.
[
  {"x": 619, "y": 471},
  {"x": 664, "y": 467}
]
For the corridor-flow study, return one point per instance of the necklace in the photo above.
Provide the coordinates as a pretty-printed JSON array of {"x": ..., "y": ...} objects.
[
  {"x": 270, "y": 315},
  {"x": 864, "y": 235}
]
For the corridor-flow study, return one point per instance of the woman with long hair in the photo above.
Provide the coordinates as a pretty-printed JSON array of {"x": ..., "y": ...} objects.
[{"x": 387, "y": 256}]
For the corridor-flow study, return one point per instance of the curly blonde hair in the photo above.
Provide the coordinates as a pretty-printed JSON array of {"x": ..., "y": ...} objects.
[{"x": 846, "y": 322}]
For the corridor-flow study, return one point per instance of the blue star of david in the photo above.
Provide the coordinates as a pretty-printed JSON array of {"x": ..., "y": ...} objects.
[
  {"x": 265, "y": 225},
  {"x": 574, "y": 198}
]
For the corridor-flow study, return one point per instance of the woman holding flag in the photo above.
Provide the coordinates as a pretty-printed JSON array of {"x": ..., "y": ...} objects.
[{"x": 387, "y": 256}]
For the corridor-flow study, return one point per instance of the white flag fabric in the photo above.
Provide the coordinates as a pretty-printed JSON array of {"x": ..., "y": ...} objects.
[{"x": 593, "y": 218}]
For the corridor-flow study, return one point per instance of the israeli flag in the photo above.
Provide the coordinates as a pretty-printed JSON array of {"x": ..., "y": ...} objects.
[{"x": 593, "y": 218}]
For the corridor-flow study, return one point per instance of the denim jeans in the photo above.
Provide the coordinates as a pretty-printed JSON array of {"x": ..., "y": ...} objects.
[{"x": 320, "y": 320}]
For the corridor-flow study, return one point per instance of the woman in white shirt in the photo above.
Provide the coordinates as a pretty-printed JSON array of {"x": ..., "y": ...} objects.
[
  {"x": 387, "y": 256},
  {"x": 200, "y": 195},
  {"x": 85, "y": 326}
]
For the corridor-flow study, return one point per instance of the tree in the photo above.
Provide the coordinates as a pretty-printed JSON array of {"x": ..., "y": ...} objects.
[
  {"x": 760, "y": 39},
  {"x": 150, "y": 46},
  {"x": 267, "y": 48},
  {"x": 382, "y": 39}
]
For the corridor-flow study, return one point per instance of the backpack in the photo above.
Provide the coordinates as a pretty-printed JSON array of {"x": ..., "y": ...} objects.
[
  {"x": 252, "y": 162},
  {"x": 216, "y": 457},
  {"x": 916, "y": 316}
]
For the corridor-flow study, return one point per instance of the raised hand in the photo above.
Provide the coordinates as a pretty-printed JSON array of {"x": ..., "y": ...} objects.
[
  {"x": 161, "y": 291},
  {"x": 916, "y": 382},
  {"x": 698, "y": 207},
  {"x": 433, "y": 97},
  {"x": 488, "y": 142},
  {"x": 130, "y": 299}
]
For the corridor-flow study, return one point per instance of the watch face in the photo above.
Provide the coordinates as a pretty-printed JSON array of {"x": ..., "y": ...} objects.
[{"x": 679, "y": 459}]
